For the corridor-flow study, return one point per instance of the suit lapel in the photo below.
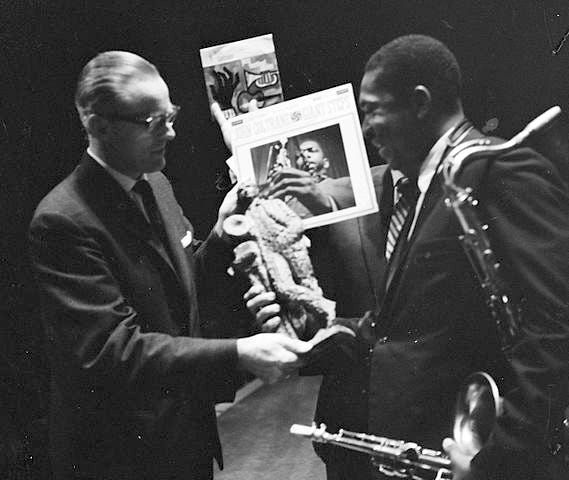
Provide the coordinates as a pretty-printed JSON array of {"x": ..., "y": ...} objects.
[
  {"x": 176, "y": 229},
  {"x": 435, "y": 191},
  {"x": 117, "y": 209},
  {"x": 432, "y": 197},
  {"x": 373, "y": 233}
]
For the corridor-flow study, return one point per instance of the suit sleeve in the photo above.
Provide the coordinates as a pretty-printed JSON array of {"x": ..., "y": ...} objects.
[
  {"x": 96, "y": 336},
  {"x": 222, "y": 309},
  {"x": 526, "y": 206}
]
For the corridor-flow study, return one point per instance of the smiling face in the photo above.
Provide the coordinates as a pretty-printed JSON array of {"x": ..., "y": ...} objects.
[
  {"x": 391, "y": 125},
  {"x": 134, "y": 149}
]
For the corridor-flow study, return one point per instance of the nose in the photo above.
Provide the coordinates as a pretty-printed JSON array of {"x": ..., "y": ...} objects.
[
  {"x": 366, "y": 129},
  {"x": 170, "y": 132}
]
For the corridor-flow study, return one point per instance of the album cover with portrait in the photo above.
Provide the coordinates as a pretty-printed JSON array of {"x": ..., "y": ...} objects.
[
  {"x": 239, "y": 71},
  {"x": 318, "y": 134}
]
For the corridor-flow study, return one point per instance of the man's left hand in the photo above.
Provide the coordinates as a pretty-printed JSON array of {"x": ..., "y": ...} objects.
[
  {"x": 459, "y": 458},
  {"x": 227, "y": 208}
]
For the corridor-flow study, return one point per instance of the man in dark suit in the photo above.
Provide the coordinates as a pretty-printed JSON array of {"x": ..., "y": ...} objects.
[
  {"x": 433, "y": 327},
  {"x": 133, "y": 384}
]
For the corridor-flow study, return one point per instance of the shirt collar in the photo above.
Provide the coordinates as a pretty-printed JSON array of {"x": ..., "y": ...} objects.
[
  {"x": 396, "y": 175},
  {"x": 123, "y": 180},
  {"x": 432, "y": 160}
]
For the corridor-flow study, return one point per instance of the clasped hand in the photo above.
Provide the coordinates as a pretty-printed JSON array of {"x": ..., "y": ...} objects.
[
  {"x": 271, "y": 356},
  {"x": 460, "y": 458}
]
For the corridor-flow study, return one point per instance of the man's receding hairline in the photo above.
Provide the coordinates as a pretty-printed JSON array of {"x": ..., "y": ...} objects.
[{"x": 128, "y": 95}]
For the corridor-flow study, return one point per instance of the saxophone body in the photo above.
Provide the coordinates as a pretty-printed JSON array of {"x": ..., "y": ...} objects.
[
  {"x": 506, "y": 312},
  {"x": 393, "y": 458}
]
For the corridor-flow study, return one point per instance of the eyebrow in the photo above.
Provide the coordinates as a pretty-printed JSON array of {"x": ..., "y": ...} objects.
[{"x": 363, "y": 104}]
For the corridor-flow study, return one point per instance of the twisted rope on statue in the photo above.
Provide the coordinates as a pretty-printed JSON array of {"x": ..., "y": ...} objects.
[{"x": 273, "y": 253}]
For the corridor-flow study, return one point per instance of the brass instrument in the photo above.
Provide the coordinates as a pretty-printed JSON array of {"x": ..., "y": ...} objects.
[
  {"x": 395, "y": 458},
  {"x": 278, "y": 157},
  {"x": 506, "y": 313},
  {"x": 477, "y": 407}
]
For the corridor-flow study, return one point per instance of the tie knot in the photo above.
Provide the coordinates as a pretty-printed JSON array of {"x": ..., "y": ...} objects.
[
  {"x": 407, "y": 189},
  {"x": 142, "y": 187}
]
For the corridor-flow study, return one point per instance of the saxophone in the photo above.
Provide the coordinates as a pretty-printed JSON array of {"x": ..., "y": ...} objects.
[
  {"x": 506, "y": 313},
  {"x": 393, "y": 458},
  {"x": 477, "y": 406}
]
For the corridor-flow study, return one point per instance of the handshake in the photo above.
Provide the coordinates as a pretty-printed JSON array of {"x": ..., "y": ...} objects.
[{"x": 271, "y": 356}]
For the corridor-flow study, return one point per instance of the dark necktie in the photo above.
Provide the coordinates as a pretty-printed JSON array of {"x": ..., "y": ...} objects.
[
  {"x": 407, "y": 194},
  {"x": 143, "y": 188}
]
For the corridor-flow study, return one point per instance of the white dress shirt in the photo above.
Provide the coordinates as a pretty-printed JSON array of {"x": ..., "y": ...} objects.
[{"x": 427, "y": 172}]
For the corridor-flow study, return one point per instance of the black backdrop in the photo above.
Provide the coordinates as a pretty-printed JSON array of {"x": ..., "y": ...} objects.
[{"x": 503, "y": 46}]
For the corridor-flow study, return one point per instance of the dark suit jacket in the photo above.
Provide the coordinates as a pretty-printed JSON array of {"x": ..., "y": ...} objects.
[
  {"x": 133, "y": 387},
  {"x": 347, "y": 257},
  {"x": 349, "y": 262},
  {"x": 433, "y": 327}
]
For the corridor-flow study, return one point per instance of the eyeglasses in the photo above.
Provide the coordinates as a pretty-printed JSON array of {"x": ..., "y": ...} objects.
[{"x": 152, "y": 122}]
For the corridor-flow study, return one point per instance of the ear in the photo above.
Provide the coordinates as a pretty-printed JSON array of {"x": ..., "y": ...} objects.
[
  {"x": 326, "y": 164},
  {"x": 422, "y": 100},
  {"x": 96, "y": 125}
]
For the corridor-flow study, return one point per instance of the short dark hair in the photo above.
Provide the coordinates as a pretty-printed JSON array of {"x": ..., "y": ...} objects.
[
  {"x": 413, "y": 60},
  {"x": 101, "y": 84},
  {"x": 319, "y": 139}
]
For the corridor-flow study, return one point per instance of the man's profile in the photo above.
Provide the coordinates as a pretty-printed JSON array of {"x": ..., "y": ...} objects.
[{"x": 133, "y": 381}]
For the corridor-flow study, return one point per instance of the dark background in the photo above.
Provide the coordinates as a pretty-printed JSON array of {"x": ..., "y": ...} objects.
[{"x": 503, "y": 46}]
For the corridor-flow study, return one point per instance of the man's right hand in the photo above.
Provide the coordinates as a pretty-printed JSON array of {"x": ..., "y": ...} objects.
[
  {"x": 303, "y": 186},
  {"x": 270, "y": 356}
]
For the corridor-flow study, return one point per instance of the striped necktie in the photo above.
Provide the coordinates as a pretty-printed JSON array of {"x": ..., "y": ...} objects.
[{"x": 406, "y": 194}]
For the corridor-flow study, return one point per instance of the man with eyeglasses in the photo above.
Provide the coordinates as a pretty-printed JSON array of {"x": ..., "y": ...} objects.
[{"x": 133, "y": 384}]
